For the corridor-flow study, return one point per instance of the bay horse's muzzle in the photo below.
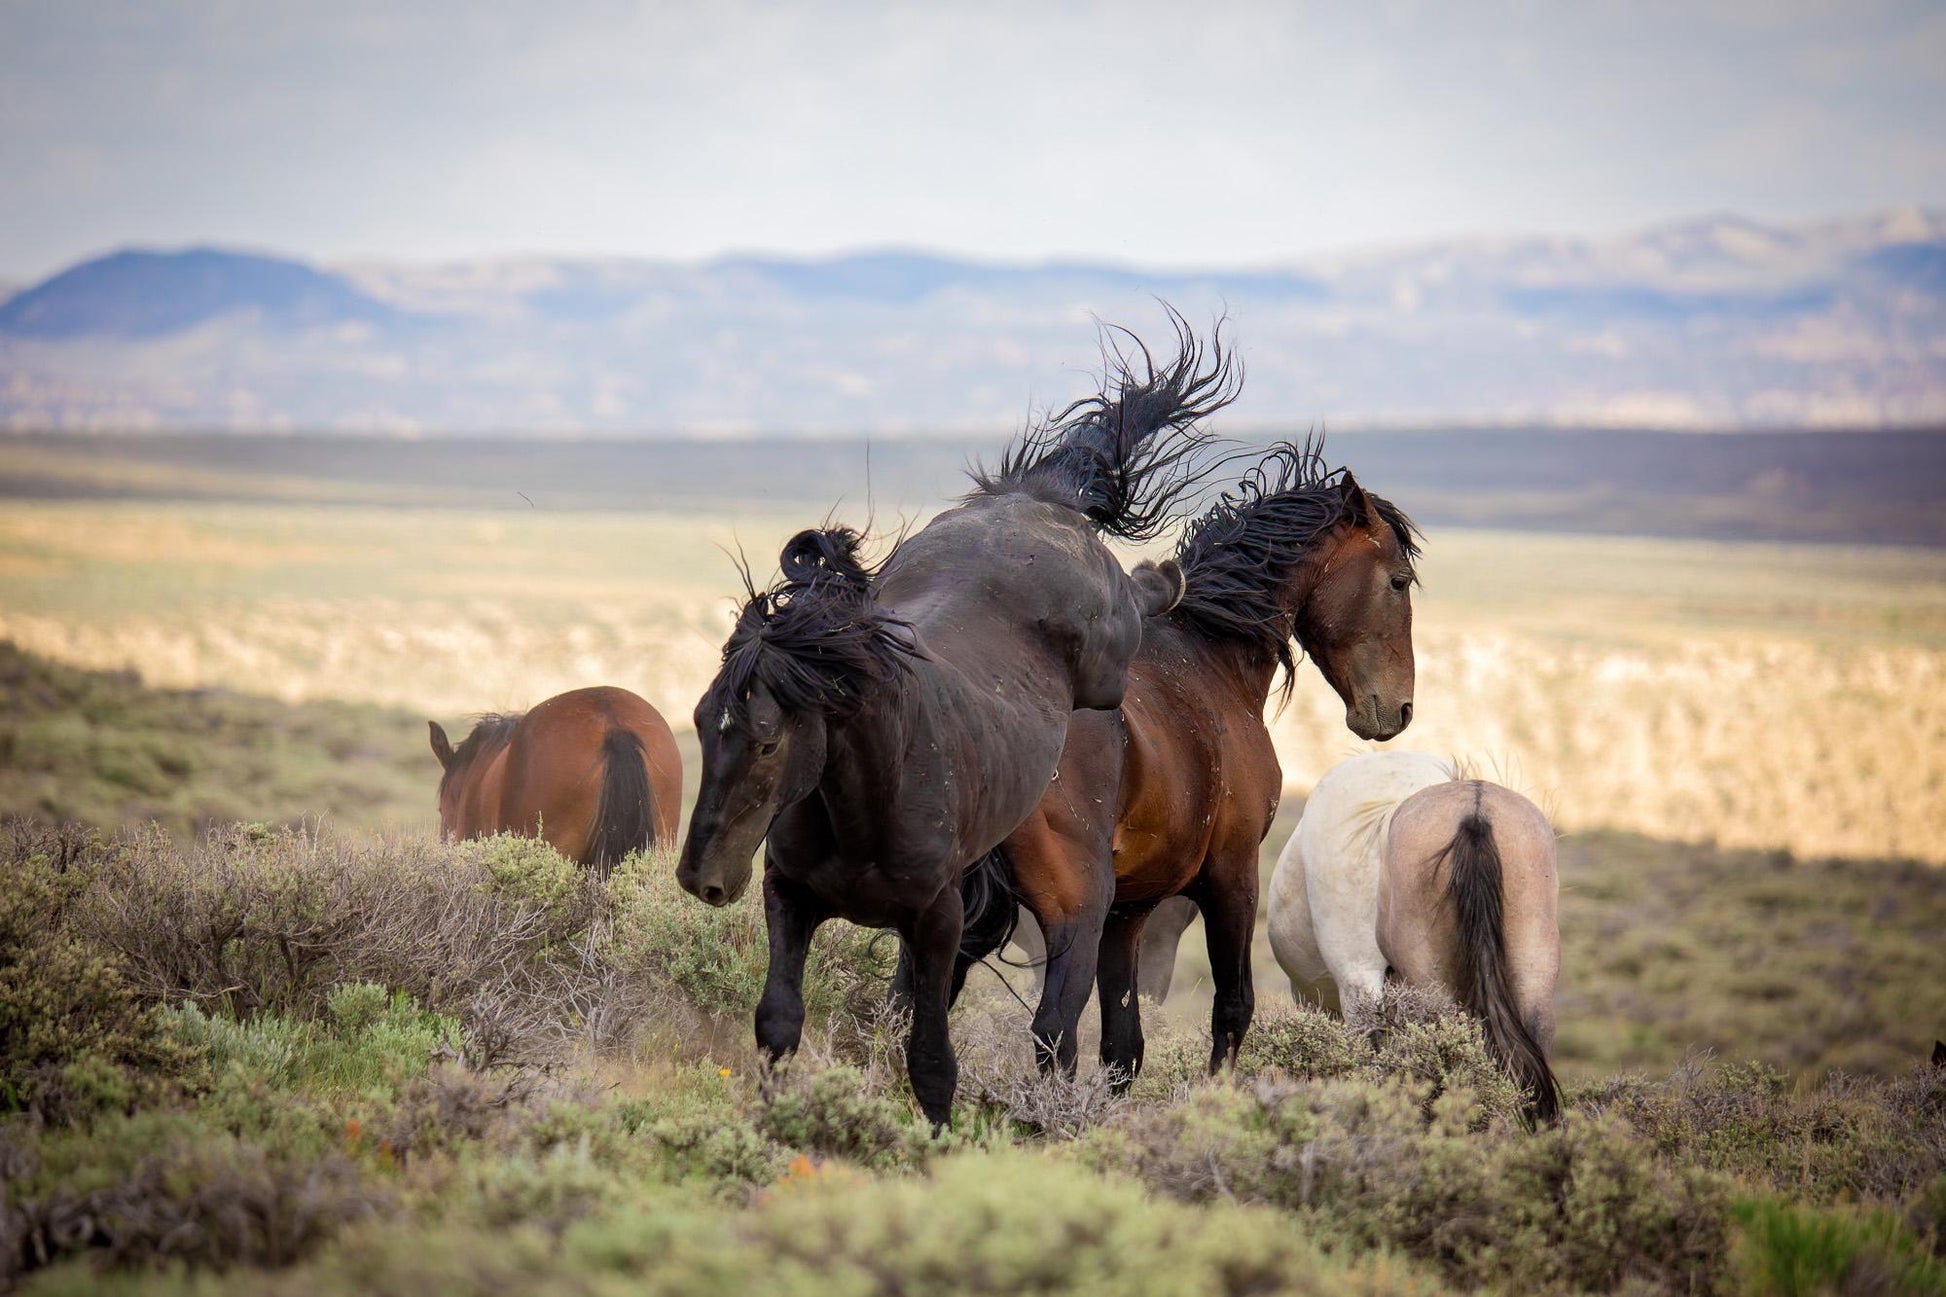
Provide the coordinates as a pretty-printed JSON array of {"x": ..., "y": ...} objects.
[{"x": 1375, "y": 720}]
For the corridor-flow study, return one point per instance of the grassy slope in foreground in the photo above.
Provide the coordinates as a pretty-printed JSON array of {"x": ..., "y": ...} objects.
[{"x": 526, "y": 1096}]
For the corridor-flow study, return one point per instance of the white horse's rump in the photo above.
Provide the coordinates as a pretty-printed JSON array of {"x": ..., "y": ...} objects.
[
  {"x": 1399, "y": 866},
  {"x": 1324, "y": 893}
]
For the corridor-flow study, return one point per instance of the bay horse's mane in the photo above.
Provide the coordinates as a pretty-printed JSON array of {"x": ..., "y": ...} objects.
[
  {"x": 491, "y": 732},
  {"x": 1101, "y": 455},
  {"x": 816, "y": 638},
  {"x": 1237, "y": 558}
]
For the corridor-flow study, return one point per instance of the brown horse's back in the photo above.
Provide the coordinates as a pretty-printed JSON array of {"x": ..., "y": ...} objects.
[{"x": 593, "y": 772}]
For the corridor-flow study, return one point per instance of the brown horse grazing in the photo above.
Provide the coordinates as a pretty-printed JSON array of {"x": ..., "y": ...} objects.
[
  {"x": 593, "y": 772},
  {"x": 1179, "y": 787},
  {"x": 881, "y": 732}
]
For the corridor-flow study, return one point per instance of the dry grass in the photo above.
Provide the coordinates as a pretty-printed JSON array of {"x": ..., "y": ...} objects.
[{"x": 1762, "y": 696}]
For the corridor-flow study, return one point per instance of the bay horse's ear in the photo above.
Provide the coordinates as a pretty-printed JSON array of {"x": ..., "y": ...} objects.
[
  {"x": 1355, "y": 498},
  {"x": 1939, "y": 1053},
  {"x": 441, "y": 747}
]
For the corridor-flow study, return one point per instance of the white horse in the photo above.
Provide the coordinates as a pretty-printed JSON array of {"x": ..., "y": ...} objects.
[{"x": 1399, "y": 866}]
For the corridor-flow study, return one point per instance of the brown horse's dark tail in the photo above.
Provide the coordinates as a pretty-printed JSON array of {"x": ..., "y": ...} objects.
[
  {"x": 1473, "y": 881},
  {"x": 625, "y": 811}
]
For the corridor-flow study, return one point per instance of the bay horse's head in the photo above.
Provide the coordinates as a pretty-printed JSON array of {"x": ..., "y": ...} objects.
[
  {"x": 804, "y": 652},
  {"x": 1299, "y": 551},
  {"x": 1356, "y": 622},
  {"x": 463, "y": 767}
]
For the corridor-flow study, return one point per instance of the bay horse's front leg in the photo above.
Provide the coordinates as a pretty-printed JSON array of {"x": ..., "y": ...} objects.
[
  {"x": 932, "y": 939},
  {"x": 1121, "y": 1012},
  {"x": 1228, "y": 898},
  {"x": 792, "y": 916}
]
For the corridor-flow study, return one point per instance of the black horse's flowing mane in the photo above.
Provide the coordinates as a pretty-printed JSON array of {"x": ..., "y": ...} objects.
[
  {"x": 816, "y": 639},
  {"x": 1102, "y": 455},
  {"x": 491, "y": 732},
  {"x": 1238, "y": 556}
]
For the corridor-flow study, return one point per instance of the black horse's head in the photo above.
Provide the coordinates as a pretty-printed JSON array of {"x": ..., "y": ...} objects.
[{"x": 805, "y": 652}]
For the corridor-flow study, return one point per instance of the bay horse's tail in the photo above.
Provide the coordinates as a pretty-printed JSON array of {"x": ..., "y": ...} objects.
[
  {"x": 1107, "y": 456},
  {"x": 625, "y": 810},
  {"x": 1473, "y": 881}
]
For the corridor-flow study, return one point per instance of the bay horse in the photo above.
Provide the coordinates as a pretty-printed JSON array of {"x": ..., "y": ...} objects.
[
  {"x": 1172, "y": 795},
  {"x": 880, "y": 731},
  {"x": 593, "y": 772},
  {"x": 1402, "y": 868}
]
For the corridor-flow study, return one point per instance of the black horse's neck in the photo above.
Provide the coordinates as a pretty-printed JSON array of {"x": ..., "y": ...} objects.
[{"x": 864, "y": 770}]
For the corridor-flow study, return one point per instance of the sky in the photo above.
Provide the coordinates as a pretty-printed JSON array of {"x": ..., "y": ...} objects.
[{"x": 1191, "y": 133}]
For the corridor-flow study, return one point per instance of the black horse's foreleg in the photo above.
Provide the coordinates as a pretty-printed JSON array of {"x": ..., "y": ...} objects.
[
  {"x": 1121, "y": 1013},
  {"x": 792, "y": 917},
  {"x": 933, "y": 940},
  {"x": 1230, "y": 922}
]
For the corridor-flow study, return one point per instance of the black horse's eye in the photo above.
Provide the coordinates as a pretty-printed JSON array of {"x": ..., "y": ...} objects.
[
  {"x": 767, "y": 747},
  {"x": 1400, "y": 580}
]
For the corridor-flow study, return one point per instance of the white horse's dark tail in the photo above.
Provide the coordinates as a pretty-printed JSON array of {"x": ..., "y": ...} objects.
[{"x": 1485, "y": 990}]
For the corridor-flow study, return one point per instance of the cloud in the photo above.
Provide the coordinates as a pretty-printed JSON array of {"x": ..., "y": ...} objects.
[{"x": 1162, "y": 133}]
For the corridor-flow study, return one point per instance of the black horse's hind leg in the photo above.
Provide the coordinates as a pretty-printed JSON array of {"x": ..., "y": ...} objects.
[
  {"x": 1228, "y": 898},
  {"x": 1121, "y": 1013},
  {"x": 792, "y": 916},
  {"x": 933, "y": 941}
]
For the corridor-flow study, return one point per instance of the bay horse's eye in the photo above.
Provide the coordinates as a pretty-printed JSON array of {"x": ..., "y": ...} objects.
[{"x": 1400, "y": 580}]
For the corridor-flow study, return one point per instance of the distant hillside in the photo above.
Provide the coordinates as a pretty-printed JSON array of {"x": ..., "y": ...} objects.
[
  {"x": 1716, "y": 322},
  {"x": 156, "y": 294}
]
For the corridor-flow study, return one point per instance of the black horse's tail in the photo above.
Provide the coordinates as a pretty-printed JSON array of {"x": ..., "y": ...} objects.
[
  {"x": 1474, "y": 882},
  {"x": 625, "y": 810},
  {"x": 990, "y": 904},
  {"x": 1125, "y": 457}
]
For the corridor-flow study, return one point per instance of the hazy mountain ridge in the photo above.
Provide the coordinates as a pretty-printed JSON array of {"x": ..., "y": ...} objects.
[{"x": 1719, "y": 321}]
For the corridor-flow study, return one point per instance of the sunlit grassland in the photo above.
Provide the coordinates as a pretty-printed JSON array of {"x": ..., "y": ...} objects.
[{"x": 1751, "y": 695}]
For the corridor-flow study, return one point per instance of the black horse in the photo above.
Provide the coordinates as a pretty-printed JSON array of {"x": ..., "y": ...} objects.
[{"x": 883, "y": 731}]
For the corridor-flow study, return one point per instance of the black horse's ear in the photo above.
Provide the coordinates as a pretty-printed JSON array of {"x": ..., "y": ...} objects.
[
  {"x": 441, "y": 747},
  {"x": 1939, "y": 1053}
]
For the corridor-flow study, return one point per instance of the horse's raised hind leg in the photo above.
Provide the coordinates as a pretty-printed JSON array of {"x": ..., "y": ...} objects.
[
  {"x": 1121, "y": 1014},
  {"x": 1228, "y": 899},
  {"x": 933, "y": 939},
  {"x": 791, "y": 916}
]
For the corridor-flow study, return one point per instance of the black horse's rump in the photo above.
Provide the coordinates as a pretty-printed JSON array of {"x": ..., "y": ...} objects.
[
  {"x": 1237, "y": 558},
  {"x": 1101, "y": 455},
  {"x": 625, "y": 808},
  {"x": 816, "y": 639},
  {"x": 491, "y": 732}
]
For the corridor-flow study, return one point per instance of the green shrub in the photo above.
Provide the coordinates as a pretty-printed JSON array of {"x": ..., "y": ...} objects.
[
  {"x": 716, "y": 957},
  {"x": 1794, "y": 1251},
  {"x": 210, "y": 1203},
  {"x": 75, "y": 1041},
  {"x": 1393, "y": 1164},
  {"x": 834, "y": 1113},
  {"x": 1847, "y": 1137}
]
